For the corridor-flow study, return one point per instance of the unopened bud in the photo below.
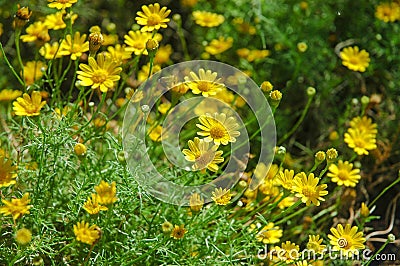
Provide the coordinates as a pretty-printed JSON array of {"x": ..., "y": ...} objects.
[
  {"x": 320, "y": 157},
  {"x": 311, "y": 91},
  {"x": 331, "y": 155},
  {"x": 21, "y": 17},
  {"x": 152, "y": 47},
  {"x": 95, "y": 41}
]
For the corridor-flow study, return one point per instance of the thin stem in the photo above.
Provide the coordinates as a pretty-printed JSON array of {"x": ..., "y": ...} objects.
[
  {"x": 384, "y": 191},
  {"x": 298, "y": 123},
  {"x": 379, "y": 251},
  {"x": 21, "y": 81},
  {"x": 21, "y": 65}
]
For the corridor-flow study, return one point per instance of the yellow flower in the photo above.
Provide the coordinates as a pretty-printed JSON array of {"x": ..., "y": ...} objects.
[
  {"x": 206, "y": 83},
  {"x": 196, "y": 202},
  {"x": 155, "y": 133},
  {"x": 344, "y": 174},
  {"x": 221, "y": 196},
  {"x": 257, "y": 54},
  {"x": 166, "y": 227},
  {"x": 364, "y": 125},
  {"x": 244, "y": 27},
  {"x": 388, "y": 12},
  {"x": 188, "y": 3},
  {"x": 119, "y": 54},
  {"x": 50, "y": 51},
  {"x": 99, "y": 74},
  {"x": 360, "y": 142},
  {"x": 9, "y": 95},
  {"x": 21, "y": 17},
  {"x": 33, "y": 71},
  {"x": 364, "y": 211},
  {"x": 152, "y": 17},
  {"x": 207, "y": 19},
  {"x": 92, "y": 205},
  {"x": 86, "y": 234},
  {"x": 163, "y": 108},
  {"x": 7, "y": 172},
  {"x": 61, "y": 4},
  {"x": 55, "y": 21},
  {"x": 354, "y": 59},
  {"x": 275, "y": 95},
  {"x": 308, "y": 189},
  {"x": 315, "y": 243},
  {"x": 136, "y": 41},
  {"x": 36, "y": 32},
  {"x": 74, "y": 47},
  {"x": 266, "y": 86},
  {"x": 218, "y": 128},
  {"x": 23, "y": 236},
  {"x": 302, "y": 47},
  {"x": 346, "y": 239},
  {"x": 269, "y": 234},
  {"x": 80, "y": 149},
  {"x": 220, "y": 45},
  {"x": 285, "y": 179},
  {"x": 288, "y": 252},
  {"x": 203, "y": 155},
  {"x": 144, "y": 71},
  {"x": 106, "y": 193},
  {"x": 16, "y": 207},
  {"x": 29, "y": 105},
  {"x": 178, "y": 232},
  {"x": 163, "y": 54}
]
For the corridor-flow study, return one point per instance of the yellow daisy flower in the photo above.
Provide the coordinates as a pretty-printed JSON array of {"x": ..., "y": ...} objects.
[
  {"x": 206, "y": 83},
  {"x": 9, "y": 95},
  {"x": 285, "y": 179},
  {"x": 354, "y": 59},
  {"x": 119, "y": 53},
  {"x": 221, "y": 196},
  {"x": 315, "y": 243},
  {"x": 33, "y": 70},
  {"x": 288, "y": 252},
  {"x": 155, "y": 133},
  {"x": 218, "y": 128},
  {"x": 50, "y": 51},
  {"x": 207, "y": 19},
  {"x": 359, "y": 141},
  {"x": 92, "y": 205},
  {"x": 56, "y": 22},
  {"x": 308, "y": 190},
  {"x": 101, "y": 74},
  {"x": 74, "y": 47},
  {"x": 388, "y": 12},
  {"x": 16, "y": 207},
  {"x": 163, "y": 54},
  {"x": 346, "y": 239},
  {"x": 152, "y": 17},
  {"x": 7, "y": 172},
  {"x": 36, "y": 32},
  {"x": 23, "y": 236},
  {"x": 364, "y": 124},
  {"x": 203, "y": 155},
  {"x": 218, "y": 46},
  {"x": 269, "y": 234},
  {"x": 196, "y": 202},
  {"x": 136, "y": 41},
  {"x": 61, "y": 4},
  {"x": 106, "y": 193},
  {"x": 29, "y": 105},
  {"x": 344, "y": 174},
  {"x": 144, "y": 71},
  {"x": 86, "y": 234},
  {"x": 178, "y": 232}
]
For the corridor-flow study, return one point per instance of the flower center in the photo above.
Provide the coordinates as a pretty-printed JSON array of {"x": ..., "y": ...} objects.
[
  {"x": 359, "y": 142},
  {"x": 204, "y": 86},
  {"x": 344, "y": 243},
  {"x": 204, "y": 159},
  {"x": 99, "y": 76},
  {"x": 153, "y": 19},
  {"x": 217, "y": 131},
  {"x": 308, "y": 191},
  {"x": 343, "y": 175},
  {"x": 354, "y": 60}
]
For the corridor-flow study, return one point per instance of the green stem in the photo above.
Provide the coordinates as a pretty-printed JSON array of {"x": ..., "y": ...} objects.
[
  {"x": 379, "y": 251},
  {"x": 17, "y": 35},
  {"x": 285, "y": 212},
  {"x": 384, "y": 191},
  {"x": 182, "y": 40},
  {"x": 21, "y": 81},
  {"x": 298, "y": 123}
]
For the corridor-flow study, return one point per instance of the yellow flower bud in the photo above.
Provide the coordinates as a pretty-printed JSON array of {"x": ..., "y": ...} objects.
[
  {"x": 302, "y": 47},
  {"x": 331, "y": 154},
  {"x": 23, "y": 236},
  {"x": 21, "y": 17},
  {"x": 95, "y": 41},
  {"x": 276, "y": 95},
  {"x": 80, "y": 149},
  {"x": 320, "y": 157},
  {"x": 266, "y": 86},
  {"x": 364, "y": 211}
]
